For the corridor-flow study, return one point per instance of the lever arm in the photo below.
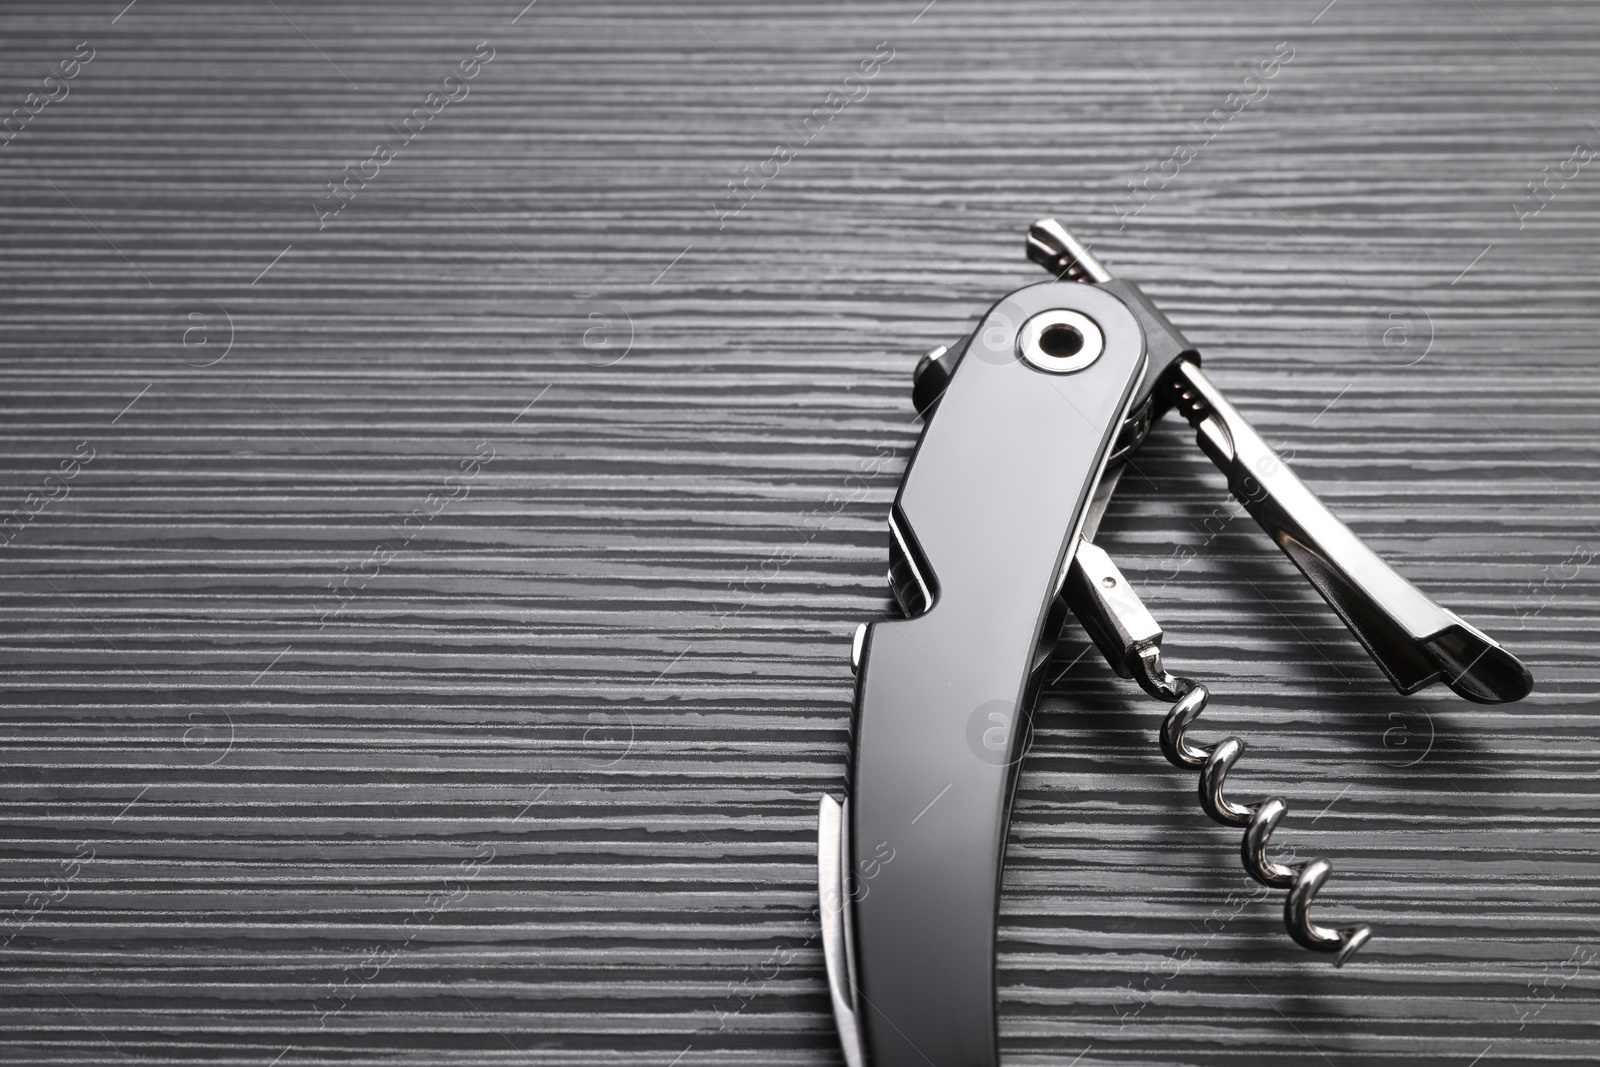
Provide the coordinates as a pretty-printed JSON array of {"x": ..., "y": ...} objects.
[{"x": 1412, "y": 638}]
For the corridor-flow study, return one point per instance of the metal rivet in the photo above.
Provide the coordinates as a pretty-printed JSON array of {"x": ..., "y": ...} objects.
[{"x": 1060, "y": 341}]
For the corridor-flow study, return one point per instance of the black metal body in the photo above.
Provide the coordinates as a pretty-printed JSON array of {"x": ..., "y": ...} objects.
[{"x": 986, "y": 519}]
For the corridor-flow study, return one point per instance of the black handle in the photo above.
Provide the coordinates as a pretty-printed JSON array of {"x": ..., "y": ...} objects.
[{"x": 984, "y": 524}]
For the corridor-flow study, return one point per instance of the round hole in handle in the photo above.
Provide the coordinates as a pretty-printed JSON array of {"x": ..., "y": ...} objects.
[{"x": 1060, "y": 341}]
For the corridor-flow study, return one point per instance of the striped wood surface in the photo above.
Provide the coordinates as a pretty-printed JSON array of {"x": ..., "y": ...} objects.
[{"x": 531, "y": 778}]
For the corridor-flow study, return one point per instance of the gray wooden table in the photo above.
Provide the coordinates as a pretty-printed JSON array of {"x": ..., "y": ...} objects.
[{"x": 426, "y": 597}]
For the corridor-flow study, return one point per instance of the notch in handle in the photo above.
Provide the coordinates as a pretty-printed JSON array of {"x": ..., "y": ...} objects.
[{"x": 1412, "y": 638}]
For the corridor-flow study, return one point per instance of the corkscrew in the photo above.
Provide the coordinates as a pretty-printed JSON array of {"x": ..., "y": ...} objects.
[
  {"x": 1259, "y": 820},
  {"x": 1027, "y": 423}
]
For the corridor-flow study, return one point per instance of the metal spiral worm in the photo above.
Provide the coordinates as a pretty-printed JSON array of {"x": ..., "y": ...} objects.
[{"x": 1259, "y": 820}]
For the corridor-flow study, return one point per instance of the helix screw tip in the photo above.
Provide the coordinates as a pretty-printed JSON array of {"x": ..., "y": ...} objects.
[
  {"x": 1353, "y": 940},
  {"x": 1313, "y": 935}
]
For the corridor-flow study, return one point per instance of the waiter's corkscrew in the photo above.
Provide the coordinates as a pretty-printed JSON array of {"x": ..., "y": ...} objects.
[{"x": 1028, "y": 422}]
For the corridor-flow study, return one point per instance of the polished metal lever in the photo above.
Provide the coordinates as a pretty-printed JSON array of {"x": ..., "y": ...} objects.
[{"x": 1412, "y": 638}]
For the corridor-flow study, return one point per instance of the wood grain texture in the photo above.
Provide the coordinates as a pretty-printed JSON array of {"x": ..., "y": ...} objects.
[{"x": 537, "y": 786}]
